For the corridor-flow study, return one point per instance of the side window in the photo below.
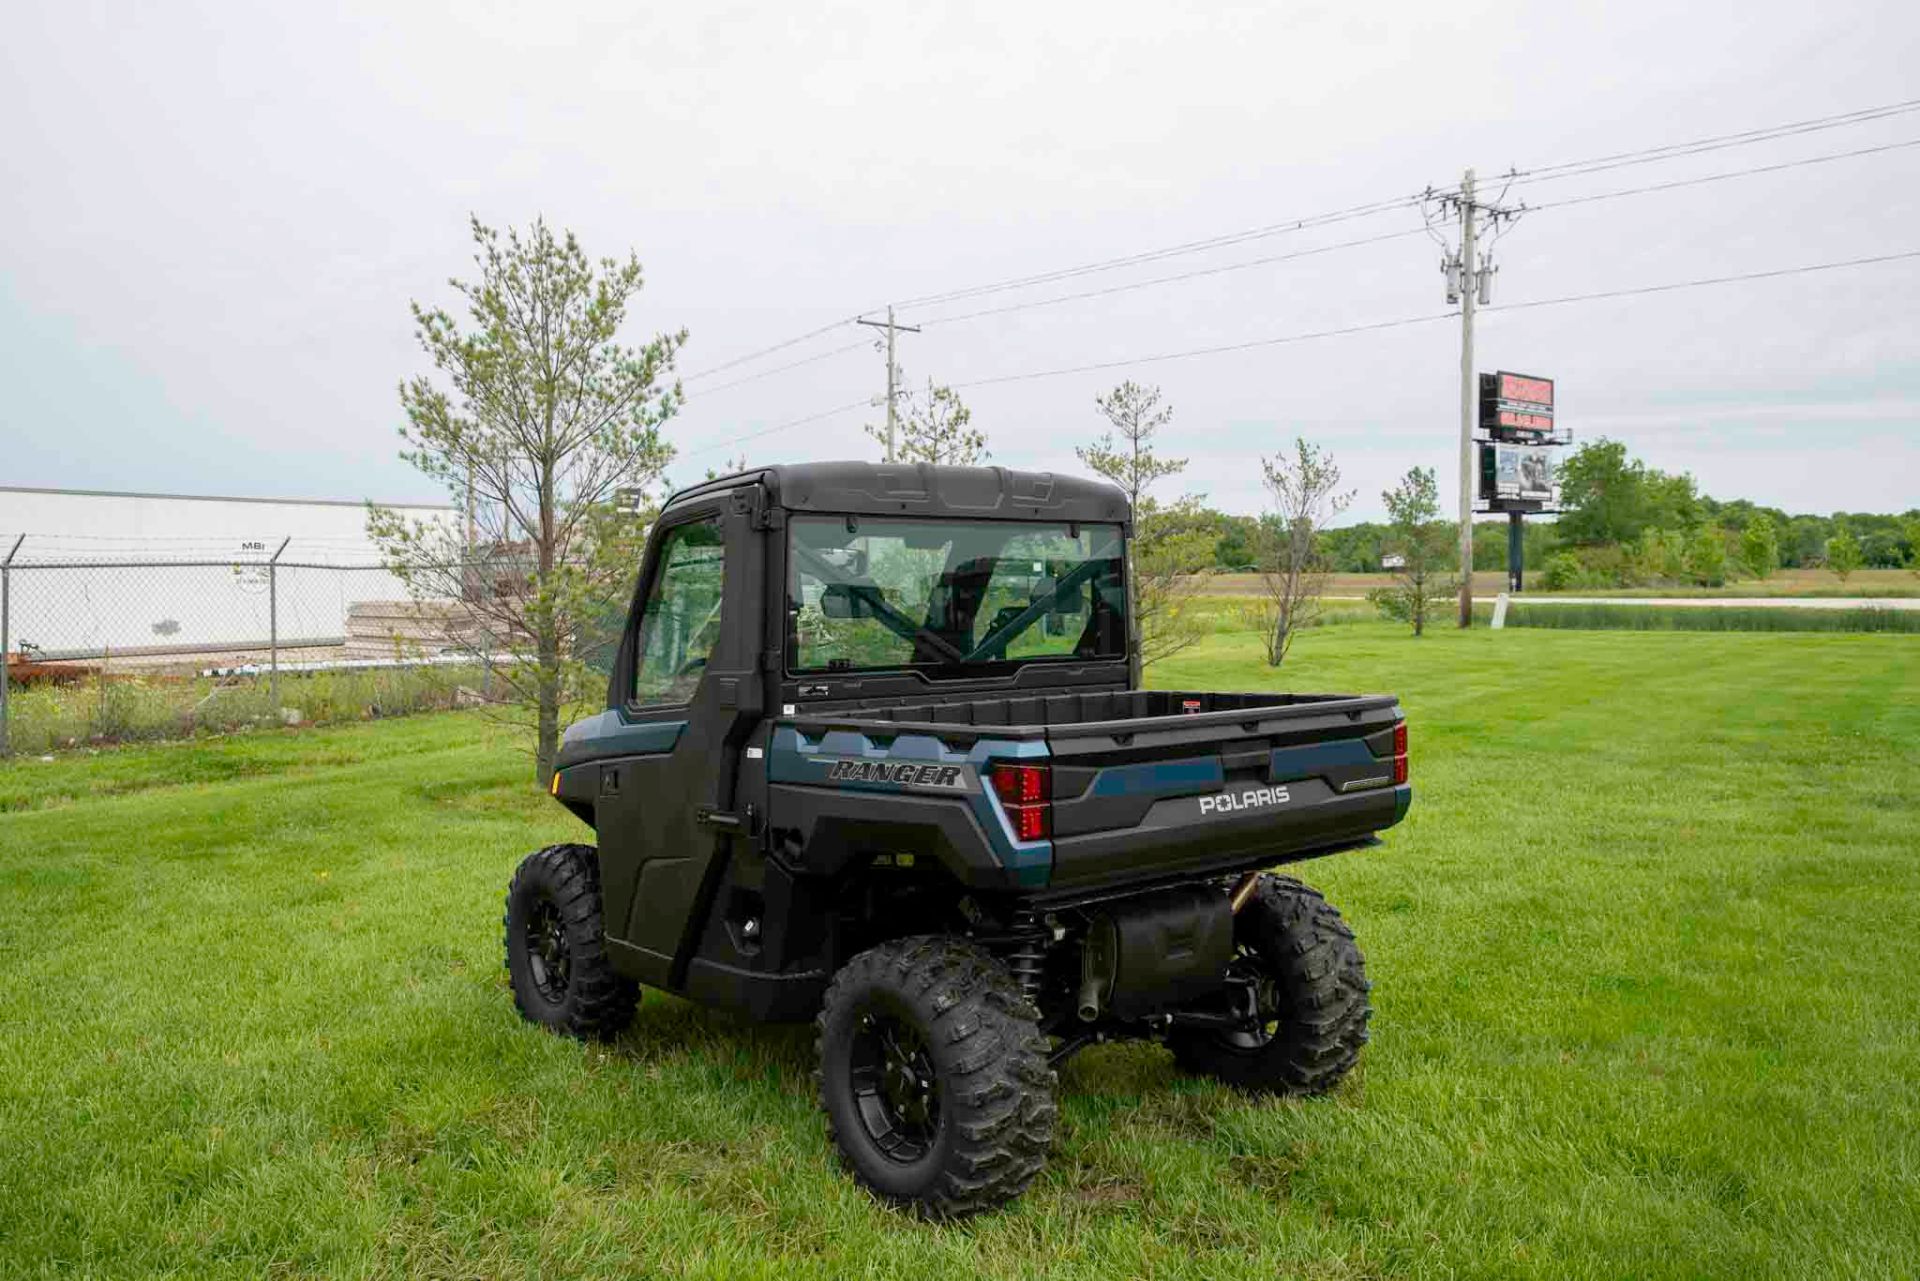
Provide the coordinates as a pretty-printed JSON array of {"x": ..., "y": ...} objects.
[{"x": 681, "y": 620}]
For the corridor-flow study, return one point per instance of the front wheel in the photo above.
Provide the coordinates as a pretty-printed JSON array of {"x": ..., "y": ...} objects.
[
  {"x": 1310, "y": 986},
  {"x": 557, "y": 949},
  {"x": 934, "y": 1076}
]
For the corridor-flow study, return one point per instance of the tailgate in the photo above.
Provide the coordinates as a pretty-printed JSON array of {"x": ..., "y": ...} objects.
[{"x": 1141, "y": 797}]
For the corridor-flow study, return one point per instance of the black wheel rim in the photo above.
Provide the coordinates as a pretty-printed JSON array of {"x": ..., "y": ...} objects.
[
  {"x": 895, "y": 1092},
  {"x": 549, "y": 956},
  {"x": 1248, "y": 967}
]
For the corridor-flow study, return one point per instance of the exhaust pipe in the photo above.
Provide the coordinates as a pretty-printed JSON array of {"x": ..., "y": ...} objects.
[
  {"x": 1096, "y": 970},
  {"x": 1092, "y": 989}
]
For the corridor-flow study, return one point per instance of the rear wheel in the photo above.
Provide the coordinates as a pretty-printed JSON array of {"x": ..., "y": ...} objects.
[
  {"x": 1309, "y": 984},
  {"x": 934, "y": 1076},
  {"x": 557, "y": 950}
]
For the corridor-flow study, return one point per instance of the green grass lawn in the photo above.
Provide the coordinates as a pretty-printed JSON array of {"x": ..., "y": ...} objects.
[{"x": 1644, "y": 957}]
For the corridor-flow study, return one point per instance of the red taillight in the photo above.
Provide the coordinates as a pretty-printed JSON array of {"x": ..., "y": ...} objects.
[
  {"x": 1400, "y": 752},
  {"x": 1030, "y": 822},
  {"x": 1023, "y": 784},
  {"x": 1026, "y": 791}
]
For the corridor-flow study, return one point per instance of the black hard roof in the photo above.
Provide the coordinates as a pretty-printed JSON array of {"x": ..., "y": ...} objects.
[{"x": 922, "y": 489}]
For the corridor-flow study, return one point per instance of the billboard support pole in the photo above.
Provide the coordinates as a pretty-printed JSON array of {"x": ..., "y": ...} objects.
[
  {"x": 1469, "y": 292},
  {"x": 6, "y": 667},
  {"x": 1516, "y": 543}
]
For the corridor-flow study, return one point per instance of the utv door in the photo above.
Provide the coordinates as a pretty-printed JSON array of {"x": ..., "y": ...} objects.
[{"x": 687, "y": 665}]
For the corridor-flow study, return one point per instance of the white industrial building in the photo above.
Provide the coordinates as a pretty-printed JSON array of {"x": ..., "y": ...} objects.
[{"x": 100, "y": 573}]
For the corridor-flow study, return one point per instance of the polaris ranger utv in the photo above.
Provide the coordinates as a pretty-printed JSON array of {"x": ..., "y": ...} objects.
[{"x": 873, "y": 755}]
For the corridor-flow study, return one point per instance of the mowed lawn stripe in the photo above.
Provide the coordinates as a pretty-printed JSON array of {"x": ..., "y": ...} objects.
[{"x": 1641, "y": 956}]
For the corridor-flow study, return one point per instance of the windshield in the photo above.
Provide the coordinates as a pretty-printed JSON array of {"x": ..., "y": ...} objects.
[{"x": 867, "y": 593}]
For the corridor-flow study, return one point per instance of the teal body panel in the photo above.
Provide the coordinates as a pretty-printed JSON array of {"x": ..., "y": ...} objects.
[
  {"x": 610, "y": 734},
  {"x": 795, "y": 757}
]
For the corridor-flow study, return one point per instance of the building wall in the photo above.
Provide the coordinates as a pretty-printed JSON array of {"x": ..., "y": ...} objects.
[{"x": 119, "y": 573}]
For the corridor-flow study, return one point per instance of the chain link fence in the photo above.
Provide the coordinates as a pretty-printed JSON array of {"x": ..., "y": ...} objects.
[{"x": 114, "y": 644}]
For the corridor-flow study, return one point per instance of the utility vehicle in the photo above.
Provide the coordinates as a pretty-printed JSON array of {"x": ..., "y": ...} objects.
[{"x": 874, "y": 755}]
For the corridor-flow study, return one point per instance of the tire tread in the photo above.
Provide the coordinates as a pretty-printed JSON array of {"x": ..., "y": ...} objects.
[
  {"x": 1325, "y": 996},
  {"x": 999, "y": 1092},
  {"x": 600, "y": 1001}
]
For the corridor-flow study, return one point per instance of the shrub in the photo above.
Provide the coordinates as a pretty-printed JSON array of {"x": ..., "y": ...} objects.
[{"x": 1562, "y": 572}]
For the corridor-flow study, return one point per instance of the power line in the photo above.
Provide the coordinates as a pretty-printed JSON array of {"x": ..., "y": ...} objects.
[
  {"x": 1170, "y": 251},
  {"x": 1733, "y": 173},
  {"x": 781, "y": 369},
  {"x": 768, "y": 351},
  {"x": 1776, "y": 273},
  {"x": 1146, "y": 256},
  {"x": 1270, "y": 259},
  {"x": 1540, "y": 173},
  {"x": 1185, "y": 275},
  {"x": 778, "y": 427},
  {"x": 1209, "y": 351},
  {"x": 1718, "y": 142},
  {"x": 1401, "y": 322}
]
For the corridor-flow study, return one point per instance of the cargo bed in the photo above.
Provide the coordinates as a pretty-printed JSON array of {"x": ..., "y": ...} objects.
[{"x": 1149, "y": 784}]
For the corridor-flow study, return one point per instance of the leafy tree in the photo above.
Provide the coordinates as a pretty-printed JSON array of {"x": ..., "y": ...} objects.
[
  {"x": 1172, "y": 543},
  {"x": 543, "y": 416},
  {"x": 1422, "y": 541},
  {"x": 1303, "y": 489},
  {"x": 1760, "y": 546},
  {"x": 1707, "y": 556},
  {"x": 1603, "y": 494},
  {"x": 1609, "y": 497},
  {"x": 1911, "y": 527},
  {"x": 1672, "y": 500},
  {"x": 936, "y": 427},
  {"x": 1806, "y": 541},
  {"x": 1234, "y": 541},
  {"x": 1843, "y": 553}
]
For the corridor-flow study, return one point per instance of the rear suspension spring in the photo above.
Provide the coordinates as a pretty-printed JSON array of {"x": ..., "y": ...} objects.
[{"x": 1028, "y": 953}]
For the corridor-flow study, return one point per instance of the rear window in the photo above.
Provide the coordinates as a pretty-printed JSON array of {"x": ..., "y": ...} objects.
[{"x": 866, "y": 593}]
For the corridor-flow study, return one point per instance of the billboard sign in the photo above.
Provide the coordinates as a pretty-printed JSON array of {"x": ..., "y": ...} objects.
[
  {"x": 1522, "y": 472},
  {"x": 1516, "y": 405}
]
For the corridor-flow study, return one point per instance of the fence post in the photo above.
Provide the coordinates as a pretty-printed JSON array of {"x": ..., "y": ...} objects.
[
  {"x": 6, "y": 666},
  {"x": 273, "y": 625}
]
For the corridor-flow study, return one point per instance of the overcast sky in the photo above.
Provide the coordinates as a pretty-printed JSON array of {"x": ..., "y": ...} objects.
[{"x": 214, "y": 216}]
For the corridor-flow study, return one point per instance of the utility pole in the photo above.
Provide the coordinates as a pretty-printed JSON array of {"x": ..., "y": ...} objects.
[
  {"x": 893, "y": 372},
  {"x": 1469, "y": 290},
  {"x": 1469, "y": 283}
]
